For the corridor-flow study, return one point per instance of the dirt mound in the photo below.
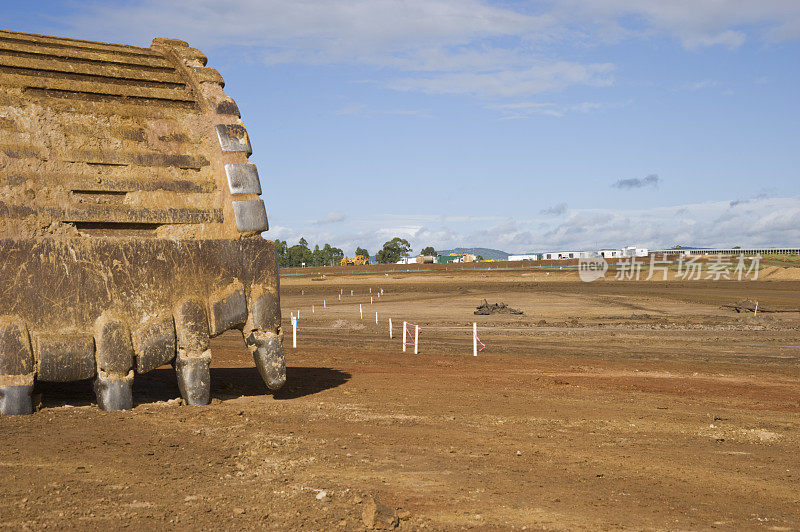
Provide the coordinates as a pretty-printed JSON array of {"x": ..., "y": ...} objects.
[
  {"x": 785, "y": 274},
  {"x": 768, "y": 272},
  {"x": 485, "y": 309}
]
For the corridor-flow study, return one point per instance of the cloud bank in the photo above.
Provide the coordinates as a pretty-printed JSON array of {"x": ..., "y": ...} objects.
[
  {"x": 756, "y": 222},
  {"x": 471, "y": 47}
]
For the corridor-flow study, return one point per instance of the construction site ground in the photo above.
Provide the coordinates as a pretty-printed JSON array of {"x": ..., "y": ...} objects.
[{"x": 606, "y": 405}]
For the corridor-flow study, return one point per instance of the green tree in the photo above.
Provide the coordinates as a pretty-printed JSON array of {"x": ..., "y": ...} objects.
[
  {"x": 280, "y": 251},
  {"x": 362, "y": 251},
  {"x": 428, "y": 251},
  {"x": 299, "y": 254},
  {"x": 317, "y": 257},
  {"x": 479, "y": 258},
  {"x": 393, "y": 250},
  {"x": 335, "y": 255},
  {"x": 295, "y": 256},
  {"x": 327, "y": 255}
]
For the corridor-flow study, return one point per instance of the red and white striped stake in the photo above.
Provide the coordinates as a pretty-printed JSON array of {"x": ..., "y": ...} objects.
[
  {"x": 361, "y": 311},
  {"x": 390, "y": 329},
  {"x": 415, "y": 343},
  {"x": 476, "y": 340},
  {"x": 376, "y": 318}
]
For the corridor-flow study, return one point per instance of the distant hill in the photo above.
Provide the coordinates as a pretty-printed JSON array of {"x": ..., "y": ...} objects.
[{"x": 486, "y": 253}]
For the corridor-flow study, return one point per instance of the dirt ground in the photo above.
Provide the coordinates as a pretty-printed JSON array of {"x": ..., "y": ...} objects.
[{"x": 606, "y": 405}]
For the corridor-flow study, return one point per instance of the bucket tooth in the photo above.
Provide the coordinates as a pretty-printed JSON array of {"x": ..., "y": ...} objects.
[
  {"x": 113, "y": 384},
  {"x": 16, "y": 368},
  {"x": 194, "y": 357},
  {"x": 262, "y": 334},
  {"x": 268, "y": 356},
  {"x": 16, "y": 400},
  {"x": 194, "y": 378},
  {"x": 114, "y": 392}
]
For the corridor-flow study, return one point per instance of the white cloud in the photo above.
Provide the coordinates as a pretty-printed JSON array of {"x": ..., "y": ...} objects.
[
  {"x": 695, "y": 23},
  {"x": 472, "y": 47},
  {"x": 358, "y": 109},
  {"x": 728, "y": 38},
  {"x": 332, "y": 218},
  {"x": 511, "y": 83},
  {"x": 342, "y": 30},
  {"x": 517, "y": 110},
  {"x": 699, "y": 85}
]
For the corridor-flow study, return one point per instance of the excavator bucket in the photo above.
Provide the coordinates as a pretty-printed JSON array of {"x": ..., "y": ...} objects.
[{"x": 130, "y": 220}]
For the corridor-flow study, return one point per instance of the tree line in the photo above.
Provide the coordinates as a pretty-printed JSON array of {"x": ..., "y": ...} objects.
[{"x": 300, "y": 254}]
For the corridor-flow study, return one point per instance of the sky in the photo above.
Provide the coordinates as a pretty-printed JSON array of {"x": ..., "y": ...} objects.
[{"x": 517, "y": 125}]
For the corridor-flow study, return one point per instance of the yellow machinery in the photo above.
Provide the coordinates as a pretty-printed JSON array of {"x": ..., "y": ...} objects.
[{"x": 358, "y": 260}]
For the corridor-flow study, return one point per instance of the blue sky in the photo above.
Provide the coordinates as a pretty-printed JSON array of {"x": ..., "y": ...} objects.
[{"x": 516, "y": 125}]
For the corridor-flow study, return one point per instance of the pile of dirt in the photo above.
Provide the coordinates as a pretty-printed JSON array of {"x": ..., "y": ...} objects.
[
  {"x": 785, "y": 274},
  {"x": 485, "y": 309}
]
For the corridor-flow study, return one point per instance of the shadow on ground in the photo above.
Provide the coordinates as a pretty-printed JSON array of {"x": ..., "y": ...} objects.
[{"x": 226, "y": 383}]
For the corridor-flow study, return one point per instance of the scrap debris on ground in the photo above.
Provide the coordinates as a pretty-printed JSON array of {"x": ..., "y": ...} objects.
[
  {"x": 485, "y": 309},
  {"x": 749, "y": 305}
]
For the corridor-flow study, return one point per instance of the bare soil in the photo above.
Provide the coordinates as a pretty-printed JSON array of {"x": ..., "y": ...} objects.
[{"x": 606, "y": 405}]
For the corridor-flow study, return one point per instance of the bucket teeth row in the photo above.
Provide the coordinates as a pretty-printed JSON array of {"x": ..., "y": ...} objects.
[
  {"x": 113, "y": 354},
  {"x": 130, "y": 221}
]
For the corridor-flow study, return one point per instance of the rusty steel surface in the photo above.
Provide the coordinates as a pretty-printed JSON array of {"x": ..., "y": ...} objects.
[{"x": 130, "y": 220}]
